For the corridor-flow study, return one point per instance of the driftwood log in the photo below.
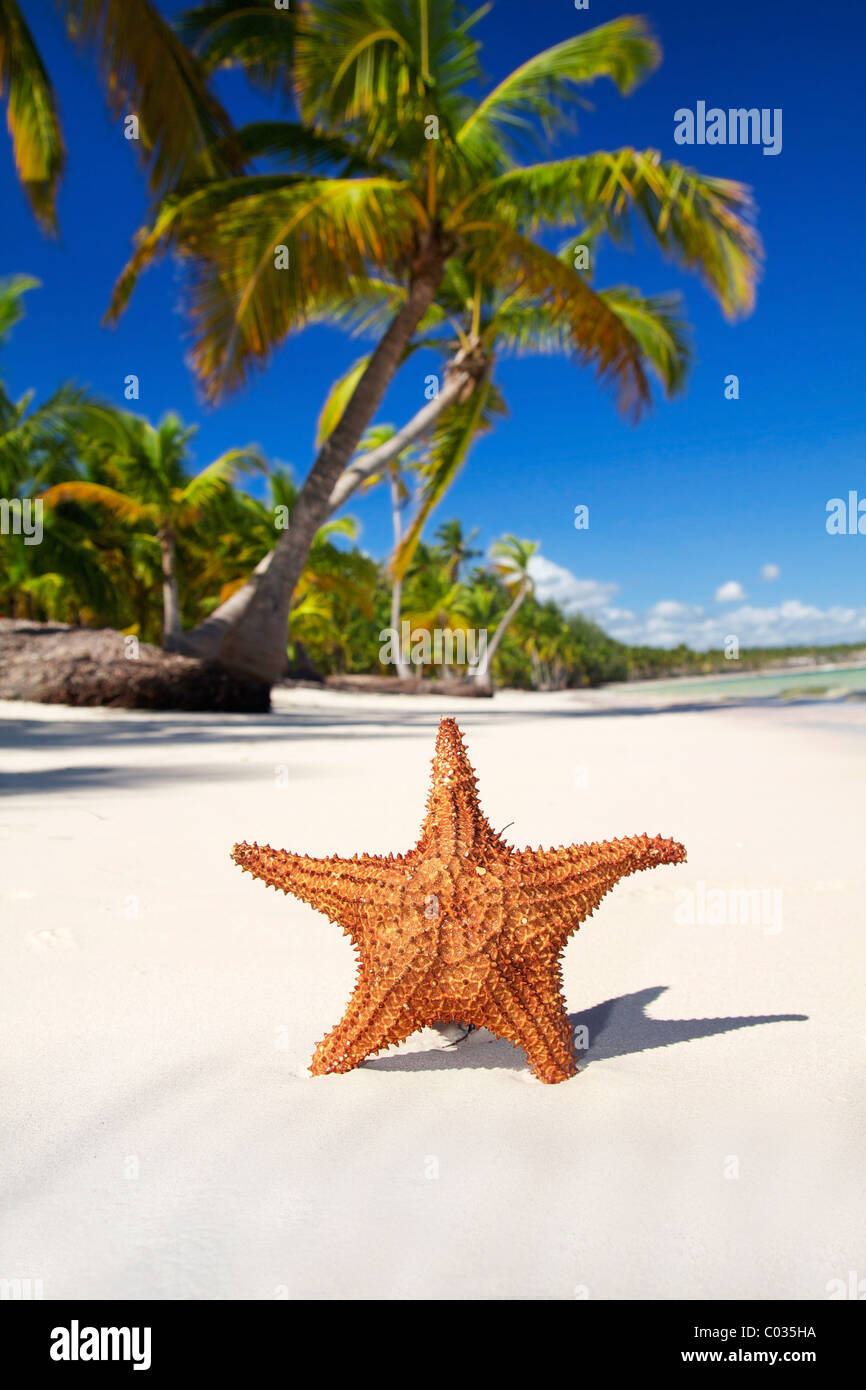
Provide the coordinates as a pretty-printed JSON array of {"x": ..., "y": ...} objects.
[{"x": 53, "y": 663}]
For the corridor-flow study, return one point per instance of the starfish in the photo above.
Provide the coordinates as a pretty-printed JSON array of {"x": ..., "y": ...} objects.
[{"x": 461, "y": 928}]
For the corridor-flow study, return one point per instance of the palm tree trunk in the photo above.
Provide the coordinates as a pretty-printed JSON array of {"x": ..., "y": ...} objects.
[
  {"x": 403, "y": 670},
  {"x": 171, "y": 628},
  {"x": 248, "y": 634},
  {"x": 459, "y": 378},
  {"x": 483, "y": 669}
]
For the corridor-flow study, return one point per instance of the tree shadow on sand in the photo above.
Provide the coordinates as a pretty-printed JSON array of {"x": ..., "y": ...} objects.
[{"x": 615, "y": 1028}]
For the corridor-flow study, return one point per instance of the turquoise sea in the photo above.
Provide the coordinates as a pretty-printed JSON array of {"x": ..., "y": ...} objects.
[{"x": 828, "y": 681}]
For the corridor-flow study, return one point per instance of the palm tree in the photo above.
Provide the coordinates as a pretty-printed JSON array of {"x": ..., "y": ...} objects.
[
  {"x": 417, "y": 172},
  {"x": 395, "y": 473},
  {"x": 470, "y": 400},
  {"x": 472, "y": 328},
  {"x": 455, "y": 549},
  {"x": 146, "y": 71},
  {"x": 37, "y": 448},
  {"x": 479, "y": 327},
  {"x": 551, "y": 646},
  {"x": 512, "y": 558},
  {"x": 436, "y": 604},
  {"x": 239, "y": 529},
  {"x": 334, "y": 584},
  {"x": 153, "y": 490}
]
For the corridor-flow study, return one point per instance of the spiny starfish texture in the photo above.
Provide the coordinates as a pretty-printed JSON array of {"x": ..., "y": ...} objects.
[{"x": 461, "y": 928}]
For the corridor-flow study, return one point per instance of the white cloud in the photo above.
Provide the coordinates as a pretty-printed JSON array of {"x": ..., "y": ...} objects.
[
  {"x": 669, "y": 608},
  {"x": 573, "y": 595},
  {"x": 785, "y": 624},
  {"x": 770, "y": 572},
  {"x": 670, "y": 622},
  {"x": 732, "y": 592}
]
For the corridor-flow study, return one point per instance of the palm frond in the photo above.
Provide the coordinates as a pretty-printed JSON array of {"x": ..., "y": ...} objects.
[
  {"x": 339, "y": 526},
  {"x": 702, "y": 223},
  {"x": 213, "y": 480},
  {"x": 383, "y": 66},
  {"x": 243, "y": 299},
  {"x": 598, "y": 337},
  {"x": 249, "y": 34},
  {"x": 656, "y": 323},
  {"x": 147, "y": 71},
  {"x": 37, "y": 140},
  {"x": 368, "y": 307},
  {"x": 56, "y": 423},
  {"x": 123, "y": 507},
  {"x": 338, "y": 398},
  {"x": 534, "y": 95},
  {"x": 661, "y": 335},
  {"x": 512, "y": 556},
  {"x": 12, "y": 290},
  {"x": 304, "y": 149},
  {"x": 452, "y": 439}
]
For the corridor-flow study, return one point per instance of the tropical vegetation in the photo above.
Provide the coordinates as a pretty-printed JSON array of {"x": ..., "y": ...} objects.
[
  {"x": 393, "y": 193},
  {"x": 404, "y": 206},
  {"x": 134, "y": 539}
]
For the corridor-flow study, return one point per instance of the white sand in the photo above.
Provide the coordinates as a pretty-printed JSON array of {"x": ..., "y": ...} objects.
[{"x": 161, "y": 1137}]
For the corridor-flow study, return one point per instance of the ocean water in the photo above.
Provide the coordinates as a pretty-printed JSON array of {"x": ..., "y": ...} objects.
[{"x": 828, "y": 681}]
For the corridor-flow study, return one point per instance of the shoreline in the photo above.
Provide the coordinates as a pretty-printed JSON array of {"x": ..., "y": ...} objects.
[{"x": 768, "y": 672}]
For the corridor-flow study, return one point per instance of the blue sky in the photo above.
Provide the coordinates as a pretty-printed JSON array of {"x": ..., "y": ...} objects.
[{"x": 697, "y": 499}]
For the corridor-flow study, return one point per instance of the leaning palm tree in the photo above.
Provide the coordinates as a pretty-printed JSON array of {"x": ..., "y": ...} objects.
[
  {"x": 394, "y": 168},
  {"x": 146, "y": 71},
  {"x": 512, "y": 566},
  {"x": 474, "y": 328},
  {"x": 153, "y": 491}
]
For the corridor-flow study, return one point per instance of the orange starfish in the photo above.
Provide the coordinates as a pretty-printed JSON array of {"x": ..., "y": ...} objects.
[{"x": 462, "y": 927}]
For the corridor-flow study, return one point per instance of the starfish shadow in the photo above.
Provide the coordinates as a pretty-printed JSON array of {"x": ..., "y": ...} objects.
[
  {"x": 615, "y": 1028},
  {"x": 622, "y": 1026}
]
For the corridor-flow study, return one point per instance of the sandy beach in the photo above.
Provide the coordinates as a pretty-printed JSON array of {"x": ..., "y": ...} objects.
[{"x": 162, "y": 1137}]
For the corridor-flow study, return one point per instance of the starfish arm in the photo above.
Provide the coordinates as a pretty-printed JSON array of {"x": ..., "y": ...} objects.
[
  {"x": 346, "y": 890},
  {"x": 524, "y": 1005},
  {"x": 454, "y": 822},
  {"x": 560, "y": 888},
  {"x": 383, "y": 1011}
]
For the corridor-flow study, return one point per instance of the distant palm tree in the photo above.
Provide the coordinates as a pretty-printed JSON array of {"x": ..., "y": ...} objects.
[
  {"x": 396, "y": 472},
  {"x": 512, "y": 557},
  {"x": 154, "y": 491},
  {"x": 146, "y": 72},
  {"x": 436, "y": 602},
  {"x": 394, "y": 167},
  {"x": 551, "y": 647},
  {"x": 334, "y": 580},
  {"x": 455, "y": 549}
]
